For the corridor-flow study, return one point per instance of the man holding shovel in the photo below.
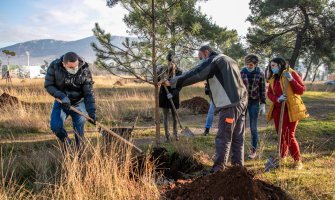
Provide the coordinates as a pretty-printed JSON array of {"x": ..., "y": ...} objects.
[
  {"x": 69, "y": 79},
  {"x": 229, "y": 97}
]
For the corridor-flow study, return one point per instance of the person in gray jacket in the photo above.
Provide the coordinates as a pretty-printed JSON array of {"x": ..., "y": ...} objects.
[{"x": 230, "y": 98}]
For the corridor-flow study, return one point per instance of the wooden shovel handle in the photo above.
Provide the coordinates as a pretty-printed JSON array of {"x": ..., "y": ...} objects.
[{"x": 102, "y": 127}]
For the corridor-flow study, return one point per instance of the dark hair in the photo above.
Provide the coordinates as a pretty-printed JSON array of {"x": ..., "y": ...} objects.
[
  {"x": 281, "y": 64},
  {"x": 70, "y": 57},
  {"x": 170, "y": 56},
  {"x": 206, "y": 47},
  {"x": 251, "y": 58}
]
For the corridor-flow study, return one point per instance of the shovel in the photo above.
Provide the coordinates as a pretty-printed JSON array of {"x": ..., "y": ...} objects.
[
  {"x": 103, "y": 128},
  {"x": 273, "y": 162},
  {"x": 186, "y": 131}
]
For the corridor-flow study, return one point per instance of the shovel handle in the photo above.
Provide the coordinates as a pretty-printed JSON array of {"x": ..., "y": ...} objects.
[
  {"x": 102, "y": 127},
  {"x": 173, "y": 107},
  {"x": 281, "y": 118}
]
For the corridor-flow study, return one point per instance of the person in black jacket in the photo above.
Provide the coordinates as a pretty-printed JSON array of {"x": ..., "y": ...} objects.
[
  {"x": 168, "y": 72},
  {"x": 69, "y": 79}
]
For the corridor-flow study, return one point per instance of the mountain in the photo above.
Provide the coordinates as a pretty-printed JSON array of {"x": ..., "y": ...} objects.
[{"x": 49, "y": 49}]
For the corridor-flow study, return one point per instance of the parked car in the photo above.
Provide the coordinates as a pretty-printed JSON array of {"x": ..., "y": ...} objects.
[{"x": 330, "y": 82}]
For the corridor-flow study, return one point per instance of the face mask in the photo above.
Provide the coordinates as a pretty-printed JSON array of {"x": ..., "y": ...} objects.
[
  {"x": 250, "y": 70},
  {"x": 275, "y": 70},
  {"x": 72, "y": 70}
]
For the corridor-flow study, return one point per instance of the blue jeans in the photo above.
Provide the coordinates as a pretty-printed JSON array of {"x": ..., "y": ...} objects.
[
  {"x": 58, "y": 117},
  {"x": 253, "y": 110},
  {"x": 210, "y": 115}
]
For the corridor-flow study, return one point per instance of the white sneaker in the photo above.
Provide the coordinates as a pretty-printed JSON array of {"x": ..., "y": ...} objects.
[{"x": 252, "y": 155}]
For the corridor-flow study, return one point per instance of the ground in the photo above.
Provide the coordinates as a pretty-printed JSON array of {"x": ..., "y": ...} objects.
[{"x": 25, "y": 134}]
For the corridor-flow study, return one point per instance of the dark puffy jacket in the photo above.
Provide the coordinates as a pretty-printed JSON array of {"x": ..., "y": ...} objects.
[
  {"x": 78, "y": 87},
  {"x": 164, "y": 102}
]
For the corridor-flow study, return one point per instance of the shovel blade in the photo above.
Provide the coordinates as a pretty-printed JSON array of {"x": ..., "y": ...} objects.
[
  {"x": 271, "y": 163},
  {"x": 187, "y": 132}
]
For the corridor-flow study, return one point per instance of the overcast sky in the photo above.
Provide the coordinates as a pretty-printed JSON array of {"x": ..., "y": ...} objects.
[{"x": 24, "y": 20}]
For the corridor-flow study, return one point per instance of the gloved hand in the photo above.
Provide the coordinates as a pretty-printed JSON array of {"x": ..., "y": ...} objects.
[
  {"x": 288, "y": 75},
  {"x": 262, "y": 109},
  {"x": 93, "y": 116},
  {"x": 66, "y": 103},
  {"x": 282, "y": 98},
  {"x": 169, "y": 96}
]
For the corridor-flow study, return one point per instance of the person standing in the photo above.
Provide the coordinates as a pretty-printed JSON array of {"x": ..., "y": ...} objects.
[
  {"x": 69, "y": 79},
  {"x": 295, "y": 110},
  {"x": 254, "y": 80},
  {"x": 164, "y": 99},
  {"x": 230, "y": 98}
]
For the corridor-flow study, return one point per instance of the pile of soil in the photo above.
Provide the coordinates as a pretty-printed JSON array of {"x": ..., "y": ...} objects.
[
  {"x": 6, "y": 99},
  {"x": 198, "y": 105},
  {"x": 118, "y": 83},
  {"x": 232, "y": 183},
  {"x": 174, "y": 166}
]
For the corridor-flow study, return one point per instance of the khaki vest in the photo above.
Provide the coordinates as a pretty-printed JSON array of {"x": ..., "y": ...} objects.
[{"x": 296, "y": 107}]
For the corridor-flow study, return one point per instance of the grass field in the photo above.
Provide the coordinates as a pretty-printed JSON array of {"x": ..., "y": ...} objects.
[{"x": 31, "y": 166}]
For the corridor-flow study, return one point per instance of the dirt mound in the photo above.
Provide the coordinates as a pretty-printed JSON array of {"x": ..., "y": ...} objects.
[
  {"x": 6, "y": 99},
  {"x": 232, "y": 183},
  {"x": 196, "y": 104},
  {"x": 118, "y": 83},
  {"x": 174, "y": 166}
]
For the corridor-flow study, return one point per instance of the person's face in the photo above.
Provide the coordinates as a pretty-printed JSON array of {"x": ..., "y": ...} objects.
[
  {"x": 274, "y": 65},
  {"x": 201, "y": 55},
  {"x": 251, "y": 66},
  {"x": 71, "y": 65}
]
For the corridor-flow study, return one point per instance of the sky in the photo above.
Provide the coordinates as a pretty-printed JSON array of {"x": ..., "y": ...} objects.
[{"x": 24, "y": 20}]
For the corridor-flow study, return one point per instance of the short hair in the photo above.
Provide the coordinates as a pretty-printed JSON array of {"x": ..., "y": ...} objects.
[
  {"x": 251, "y": 58},
  {"x": 70, "y": 57},
  {"x": 206, "y": 47}
]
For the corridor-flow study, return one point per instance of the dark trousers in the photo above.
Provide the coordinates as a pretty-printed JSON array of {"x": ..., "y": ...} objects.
[{"x": 230, "y": 135}]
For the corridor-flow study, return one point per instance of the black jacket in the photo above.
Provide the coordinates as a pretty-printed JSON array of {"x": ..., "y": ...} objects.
[
  {"x": 77, "y": 87},
  {"x": 164, "y": 102}
]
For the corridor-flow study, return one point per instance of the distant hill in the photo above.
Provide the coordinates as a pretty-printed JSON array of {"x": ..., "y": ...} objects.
[{"x": 49, "y": 49}]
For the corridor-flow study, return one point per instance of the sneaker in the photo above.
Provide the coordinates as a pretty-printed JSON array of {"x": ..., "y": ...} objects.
[
  {"x": 298, "y": 165},
  {"x": 252, "y": 155},
  {"x": 206, "y": 132}
]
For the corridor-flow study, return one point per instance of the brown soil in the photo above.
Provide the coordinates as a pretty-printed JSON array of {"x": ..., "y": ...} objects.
[
  {"x": 198, "y": 105},
  {"x": 232, "y": 183},
  {"x": 118, "y": 83},
  {"x": 6, "y": 99},
  {"x": 174, "y": 166}
]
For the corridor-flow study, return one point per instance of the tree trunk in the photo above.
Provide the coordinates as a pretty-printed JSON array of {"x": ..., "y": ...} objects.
[
  {"x": 315, "y": 73},
  {"x": 154, "y": 69},
  {"x": 299, "y": 38},
  {"x": 307, "y": 72},
  {"x": 308, "y": 69}
]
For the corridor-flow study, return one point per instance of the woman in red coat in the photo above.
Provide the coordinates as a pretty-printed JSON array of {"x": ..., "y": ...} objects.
[{"x": 295, "y": 109}]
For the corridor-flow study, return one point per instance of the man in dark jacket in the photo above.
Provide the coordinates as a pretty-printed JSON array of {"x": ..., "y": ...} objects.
[
  {"x": 69, "y": 79},
  {"x": 230, "y": 98}
]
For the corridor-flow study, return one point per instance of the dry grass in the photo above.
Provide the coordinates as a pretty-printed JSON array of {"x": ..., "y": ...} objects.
[
  {"x": 46, "y": 174},
  {"x": 37, "y": 171}
]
